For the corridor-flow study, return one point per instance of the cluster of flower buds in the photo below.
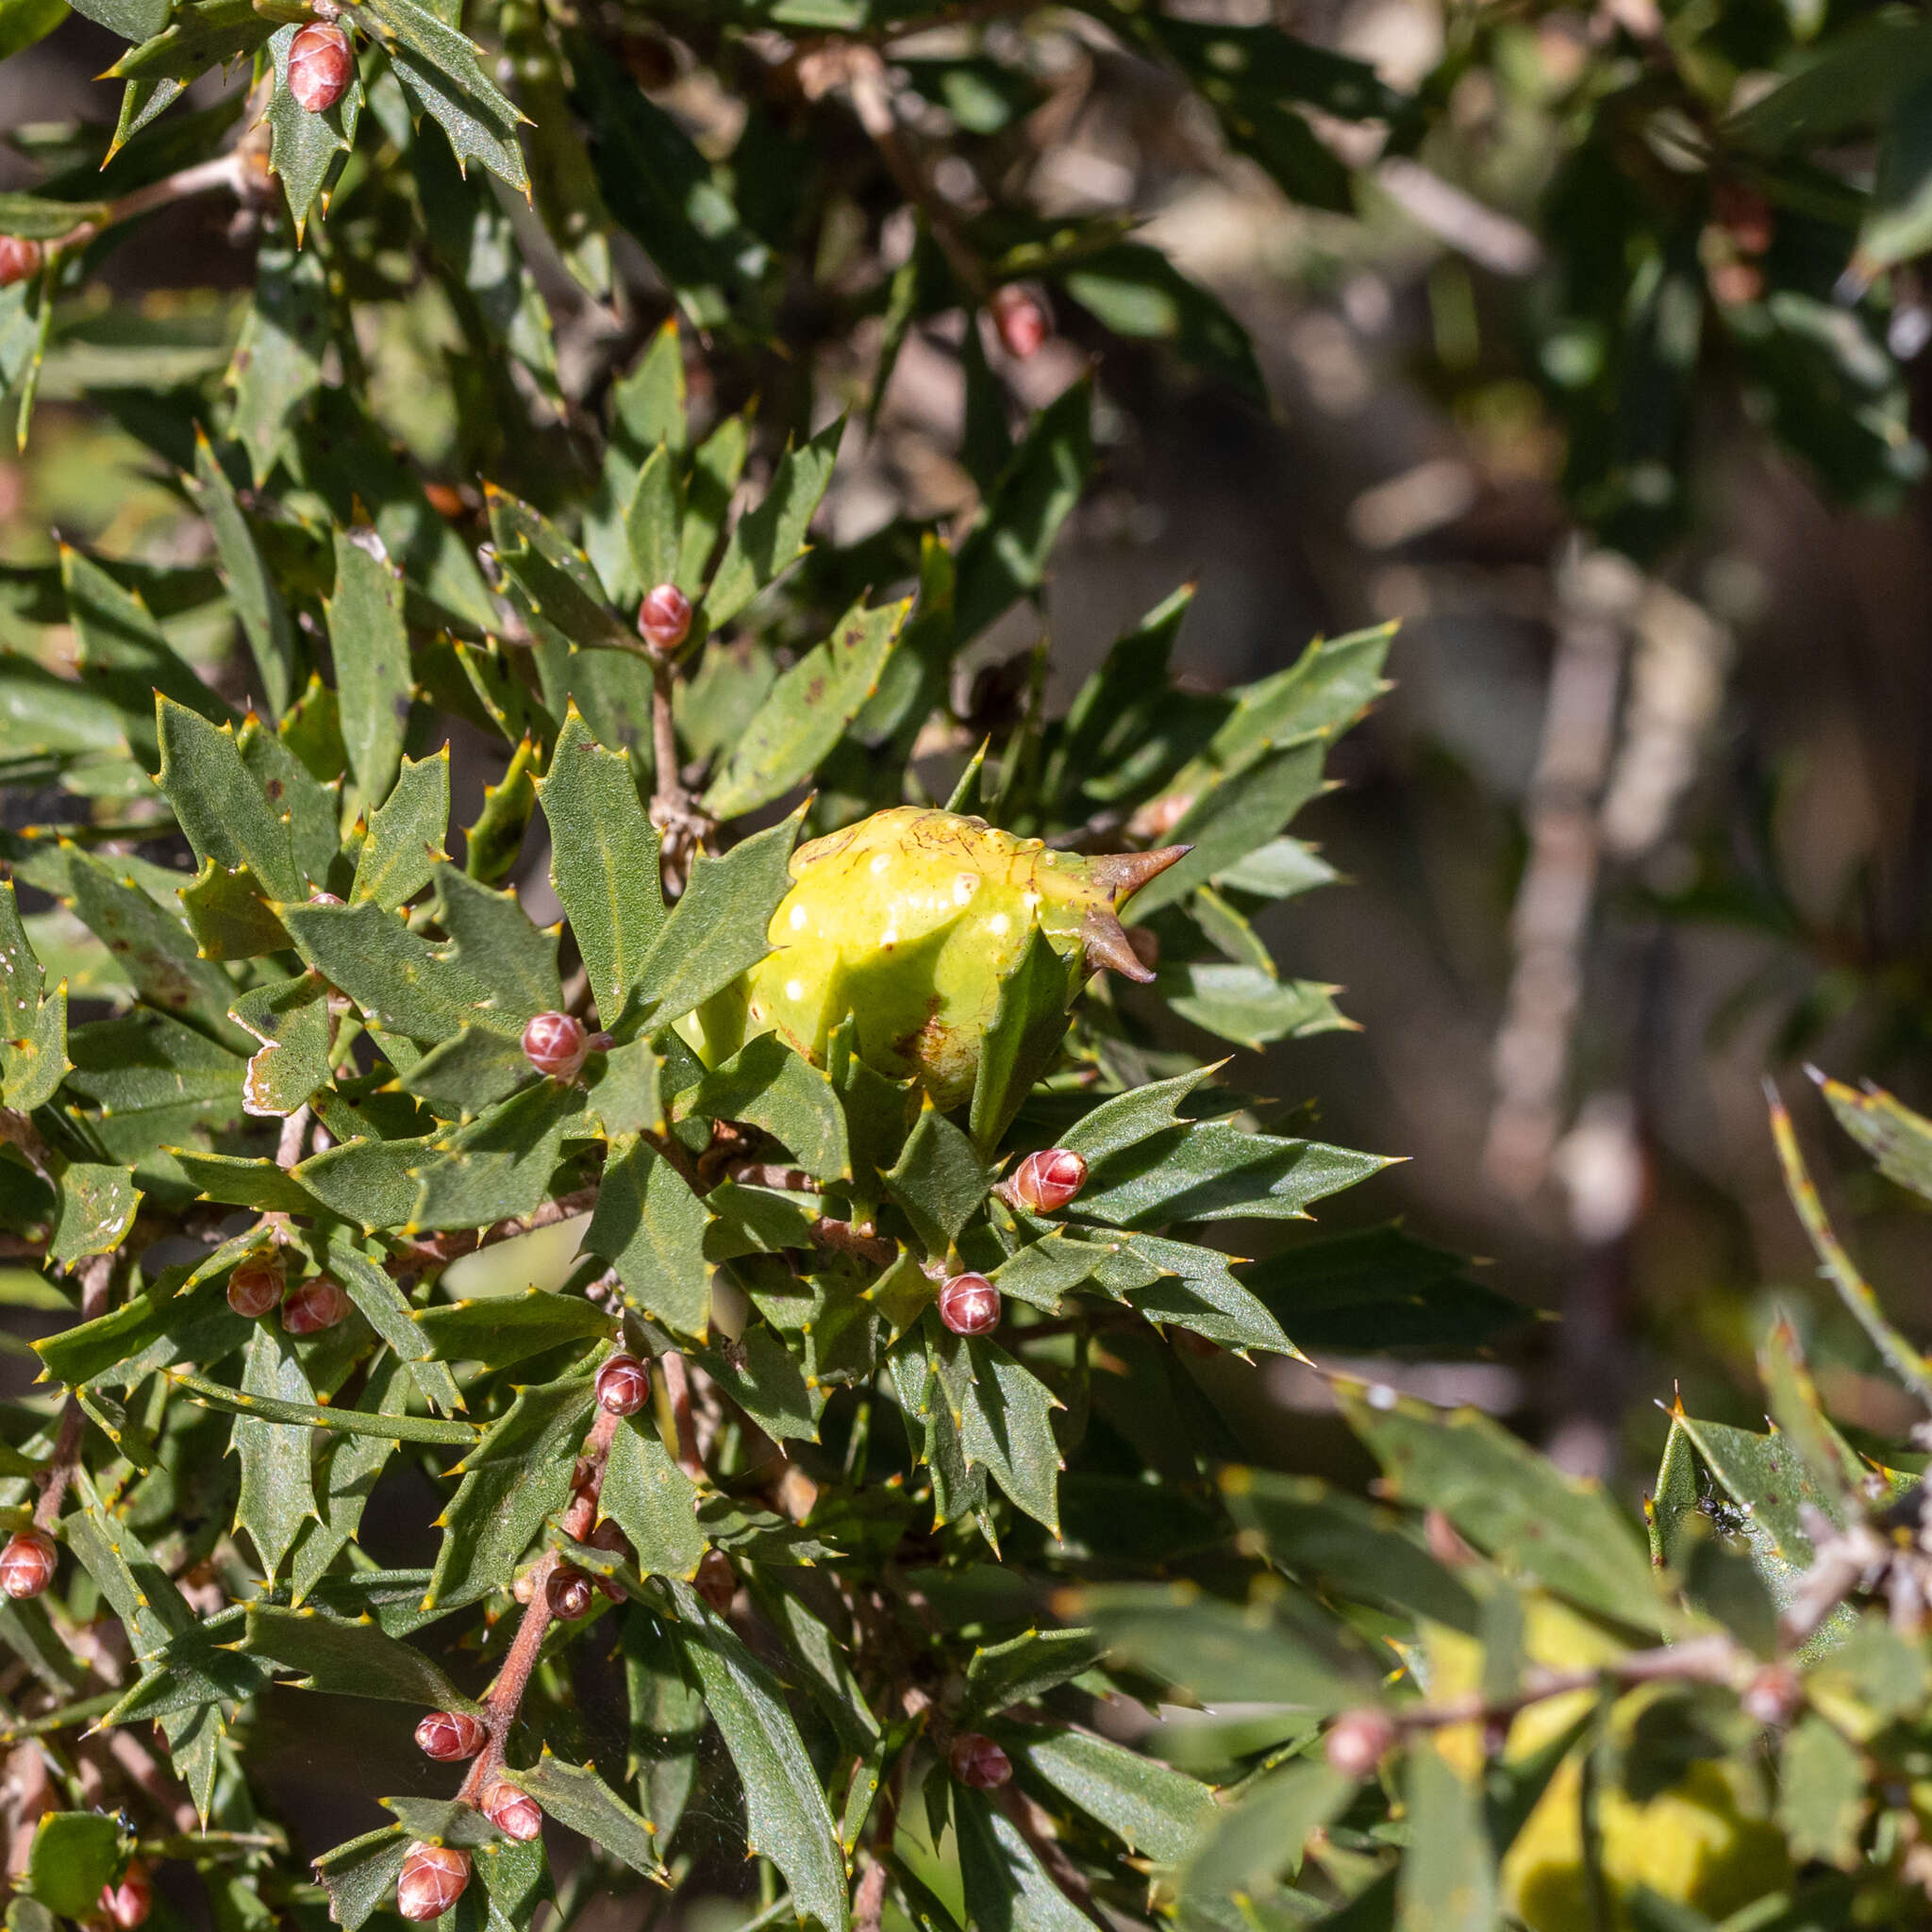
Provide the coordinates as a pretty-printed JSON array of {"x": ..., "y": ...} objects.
[
  {"x": 321, "y": 62},
  {"x": 664, "y": 617},
  {"x": 432, "y": 1879},
  {"x": 970, "y": 1305},
  {"x": 19, "y": 260},
  {"x": 128, "y": 1903},
  {"x": 26, "y": 1564},
  {"x": 977, "y": 1762},
  {"x": 624, "y": 1385}
]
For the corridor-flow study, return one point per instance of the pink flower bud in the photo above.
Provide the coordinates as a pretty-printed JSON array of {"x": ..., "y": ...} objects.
[
  {"x": 1019, "y": 319},
  {"x": 1045, "y": 1182},
  {"x": 624, "y": 1385},
  {"x": 1359, "y": 1741},
  {"x": 322, "y": 60},
  {"x": 664, "y": 617},
  {"x": 26, "y": 1564},
  {"x": 570, "y": 1592},
  {"x": 256, "y": 1286},
  {"x": 19, "y": 260},
  {"x": 449, "y": 1735},
  {"x": 554, "y": 1043},
  {"x": 128, "y": 1904},
  {"x": 314, "y": 1305},
  {"x": 716, "y": 1581},
  {"x": 432, "y": 1879},
  {"x": 977, "y": 1762},
  {"x": 970, "y": 1305},
  {"x": 514, "y": 1813}
]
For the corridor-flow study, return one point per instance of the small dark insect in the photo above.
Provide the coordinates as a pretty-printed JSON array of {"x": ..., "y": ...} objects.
[{"x": 1726, "y": 1516}]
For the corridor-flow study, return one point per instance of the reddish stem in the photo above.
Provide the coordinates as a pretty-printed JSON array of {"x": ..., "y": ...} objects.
[{"x": 677, "y": 1387}]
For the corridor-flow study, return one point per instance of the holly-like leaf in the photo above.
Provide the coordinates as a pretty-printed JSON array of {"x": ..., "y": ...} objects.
[
  {"x": 442, "y": 72},
  {"x": 74, "y": 1857},
  {"x": 1007, "y": 1887},
  {"x": 371, "y": 656},
  {"x": 1006, "y": 1428},
  {"x": 515, "y": 1477},
  {"x": 347, "y": 1660},
  {"x": 1025, "y": 1667},
  {"x": 406, "y": 832},
  {"x": 289, "y": 1017},
  {"x": 770, "y": 538},
  {"x": 277, "y": 1491},
  {"x": 807, "y": 711},
  {"x": 1209, "y": 1170},
  {"x": 1155, "y": 1810},
  {"x": 497, "y": 1166},
  {"x": 470, "y": 1073},
  {"x": 498, "y": 1329},
  {"x": 1508, "y": 1500},
  {"x": 247, "y": 578},
  {"x": 787, "y": 1818},
  {"x": 937, "y": 1179},
  {"x": 717, "y": 929},
  {"x": 360, "y": 1875},
  {"x": 766, "y": 1085},
  {"x": 602, "y": 862},
  {"x": 492, "y": 936},
  {"x": 653, "y": 1501},
  {"x": 277, "y": 362},
  {"x": 578, "y": 1799},
  {"x": 396, "y": 976},
  {"x": 220, "y": 807},
  {"x": 651, "y": 1226}
]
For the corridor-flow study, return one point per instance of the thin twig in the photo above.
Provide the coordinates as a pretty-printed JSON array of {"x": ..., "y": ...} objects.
[
  {"x": 505, "y": 1696},
  {"x": 678, "y": 1389}
]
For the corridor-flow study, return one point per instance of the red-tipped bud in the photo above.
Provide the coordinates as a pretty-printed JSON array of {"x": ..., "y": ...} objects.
[
  {"x": 314, "y": 1305},
  {"x": 322, "y": 60},
  {"x": 716, "y": 1581},
  {"x": 514, "y": 1813},
  {"x": 1046, "y": 1181},
  {"x": 26, "y": 1564},
  {"x": 970, "y": 1305},
  {"x": 1019, "y": 318},
  {"x": 572, "y": 1593},
  {"x": 624, "y": 1385},
  {"x": 432, "y": 1879},
  {"x": 256, "y": 1286},
  {"x": 1359, "y": 1741},
  {"x": 976, "y": 1761},
  {"x": 664, "y": 617},
  {"x": 449, "y": 1735},
  {"x": 554, "y": 1043},
  {"x": 19, "y": 260},
  {"x": 128, "y": 1904}
]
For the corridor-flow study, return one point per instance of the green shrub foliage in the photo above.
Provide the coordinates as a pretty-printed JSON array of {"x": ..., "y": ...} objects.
[{"x": 938, "y": 1624}]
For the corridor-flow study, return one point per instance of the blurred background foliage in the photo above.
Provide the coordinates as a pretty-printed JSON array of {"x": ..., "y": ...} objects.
[{"x": 1588, "y": 343}]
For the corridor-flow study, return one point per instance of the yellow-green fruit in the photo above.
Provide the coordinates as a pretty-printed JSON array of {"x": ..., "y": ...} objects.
[{"x": 909, "y": 920}]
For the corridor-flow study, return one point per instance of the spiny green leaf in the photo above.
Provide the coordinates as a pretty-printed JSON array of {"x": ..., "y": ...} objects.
[
  {"x": 406, "y": 833},
  {"x": 651, "y": 1226},
  {"x": 371, "y": 656}
]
